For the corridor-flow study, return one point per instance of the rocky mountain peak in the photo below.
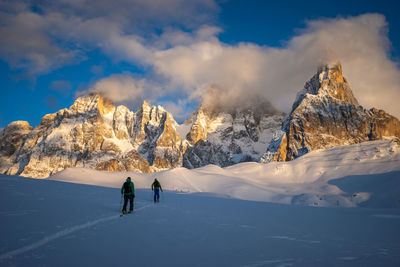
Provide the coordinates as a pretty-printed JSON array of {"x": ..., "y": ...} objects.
[
  {"x": 12, "y": 136},
  {"x": 326, "y": 114},
  {"x": 198, "y": 130},
  {"x": 145, "y": 105},
  {"x": 225, "y": 135},
  {"x": 329, "y": 81},
  {"x": 92, "y": 133},
  {"x": 93, "y": 102},
  {"x": 18, "y": 126}
]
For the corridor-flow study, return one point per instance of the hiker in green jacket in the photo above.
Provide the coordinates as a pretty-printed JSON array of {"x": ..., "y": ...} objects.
[
  {"x": 128, "y": 190},
  {"x": 156, "y": 187}
]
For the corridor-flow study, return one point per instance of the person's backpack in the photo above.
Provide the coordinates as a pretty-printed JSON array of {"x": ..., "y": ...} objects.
[
  {"x": 156, "y": 184},
  {"x": 127, "y": 188}
]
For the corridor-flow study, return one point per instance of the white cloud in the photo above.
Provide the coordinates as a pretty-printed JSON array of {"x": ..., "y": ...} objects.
[
  {"x": 26, "y": 45},
  {"x": 361, "y": 44},
  {"x": 189, "y": 59},
  {"x": 244, "y": 72},
  {"x": 248, "y": 71},
  {"x": 124, "y": 89},
  {"x": 43, "y": 36}
]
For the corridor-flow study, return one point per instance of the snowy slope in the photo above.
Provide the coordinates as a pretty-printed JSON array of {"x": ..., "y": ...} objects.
[
  {"x": 50, "y": 223},
  {"x": 309, "y": 180}
]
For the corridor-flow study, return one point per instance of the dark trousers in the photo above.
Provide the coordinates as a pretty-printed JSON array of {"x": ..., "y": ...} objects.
[
  {"x": 126, "y": 202},
  {"x": 156, "y": 194}
]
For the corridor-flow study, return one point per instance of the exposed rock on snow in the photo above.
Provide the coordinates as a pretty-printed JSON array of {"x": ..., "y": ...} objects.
[{"x": 326, "y": 114}]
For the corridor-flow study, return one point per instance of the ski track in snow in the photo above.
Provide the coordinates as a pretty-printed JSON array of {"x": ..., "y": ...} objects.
[
  {"x": 18, "y": 213},
  {"x": 295, "y": 239},
  {"x": 60, "y": 234},
  {"x": 386, "y": 216},
  {"x": 282, "y": 263}
]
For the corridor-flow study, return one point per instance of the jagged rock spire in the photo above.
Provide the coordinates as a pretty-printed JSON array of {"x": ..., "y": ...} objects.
[
  {"x": 328, "y": 81},
  {"x": 326, "y": 114}
]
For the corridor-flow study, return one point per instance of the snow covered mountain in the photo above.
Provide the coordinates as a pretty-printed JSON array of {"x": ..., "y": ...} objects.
[
  {"x": 326, "y": 114},
  {"x": 224, "y": 138},
  {"x": 96, "y": 134},
  {"x": 92, "y": 133}
]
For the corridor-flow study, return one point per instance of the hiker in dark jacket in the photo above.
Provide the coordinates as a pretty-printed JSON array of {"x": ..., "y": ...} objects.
[
  {"x": 156, "y": 187},
  {"x": 128, "y": 190}
]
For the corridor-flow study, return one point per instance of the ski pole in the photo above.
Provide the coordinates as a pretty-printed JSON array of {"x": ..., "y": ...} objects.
[{"x": 120, "y": 203}]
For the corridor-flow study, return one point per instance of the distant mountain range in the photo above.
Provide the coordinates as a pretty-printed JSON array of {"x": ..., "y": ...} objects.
[{"x": 95, "y": 133}]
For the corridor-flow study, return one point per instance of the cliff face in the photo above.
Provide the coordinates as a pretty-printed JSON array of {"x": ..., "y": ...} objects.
[
  {"x": 326, "y": 114},
  {"x": 228, "y": 137}
]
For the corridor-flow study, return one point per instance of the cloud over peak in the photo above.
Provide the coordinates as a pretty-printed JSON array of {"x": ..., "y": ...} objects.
[
  {"x": 247, "y": 70},
  {"x": 124, "y": 89},
  {"x": 184, "y": 59}
]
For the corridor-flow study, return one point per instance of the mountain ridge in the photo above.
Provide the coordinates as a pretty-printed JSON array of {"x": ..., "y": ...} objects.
[
  {"x": 326, "y": 114},
  {"x": 96, "y": 133}
]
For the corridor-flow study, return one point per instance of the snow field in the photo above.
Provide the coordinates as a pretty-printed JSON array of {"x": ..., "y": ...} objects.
[
  {"x": 212, "y": 216},
  {"x": 308, "y": 180},
  {"x": 50, "y": 223}
]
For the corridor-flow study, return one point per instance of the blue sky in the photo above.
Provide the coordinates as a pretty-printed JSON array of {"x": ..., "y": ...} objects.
[{"x": 172, "y": 52}]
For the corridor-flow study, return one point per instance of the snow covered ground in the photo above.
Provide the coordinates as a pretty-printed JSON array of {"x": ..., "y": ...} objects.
[
  {"x": 50, "y": 223},
  {"x": 308, "y": 180},
  {"x": 230, "y": 219}
]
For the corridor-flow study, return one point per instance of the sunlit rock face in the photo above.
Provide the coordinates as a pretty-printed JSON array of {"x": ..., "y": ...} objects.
[
  {"x": 92, "y": 133},
  {"x": 225, "y": 137},
  {"x": 132, "y": 161},
  {"x": 11, "y": 140},
  {"x": 326, "y": 114}
]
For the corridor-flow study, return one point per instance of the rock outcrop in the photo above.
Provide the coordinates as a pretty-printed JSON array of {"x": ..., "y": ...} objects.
[
  {"x": 11, "y": 140},
  {"x": 326, "y": 114}
]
